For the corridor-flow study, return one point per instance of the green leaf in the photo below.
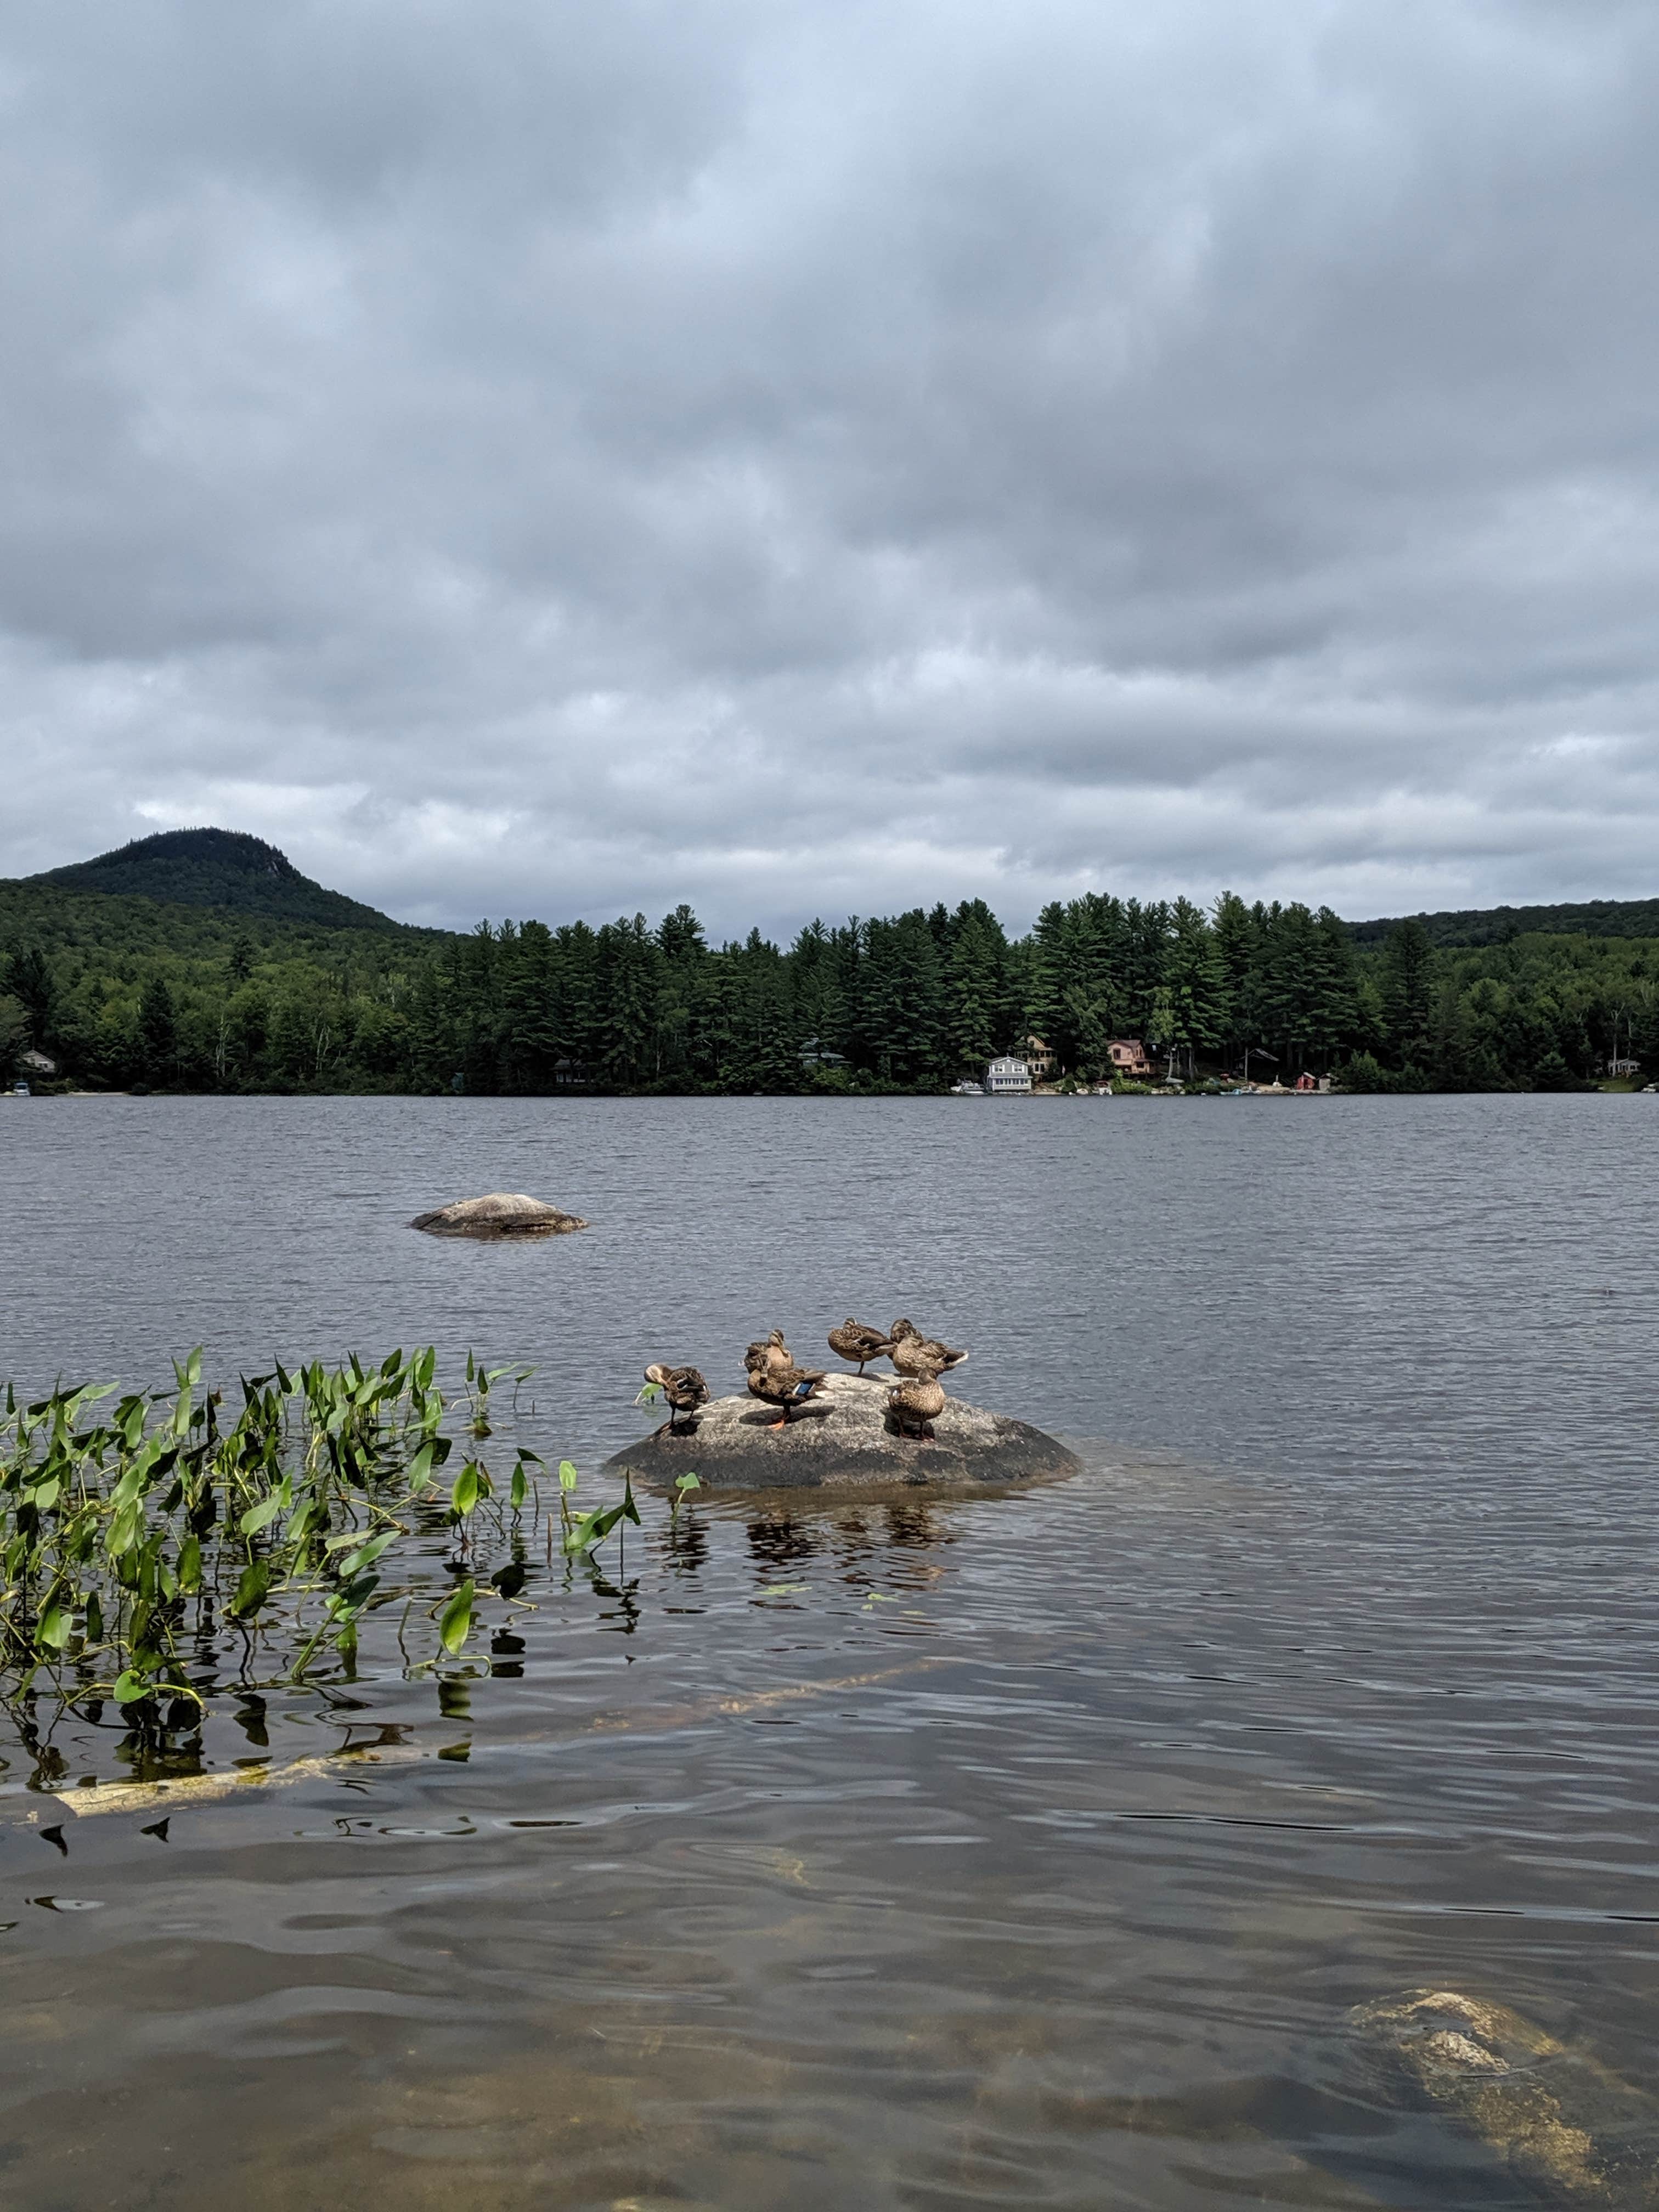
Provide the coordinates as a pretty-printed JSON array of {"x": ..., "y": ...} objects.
[
  {"x": 687, "y": 1482},
  {"x": 130, "y": 1688},
  {"x": 251, "y": 1590},
  {"x": 260, "y": 1515},
  {"x": 190, "y": 1567},
  {"x": 519, "y": 1488},
  {"x": 566, "y": 1475},
  {"x": 591, "y": 1528},
  {"x": 455, "y": 1622},
  {"x": 464, "y": 1495},
  {"x": 126, "y": 1529},
  {"x": 782, "y": 1589},
  {"x": 94, "y": 1619},
  {"x": 366, "y": 1554},
  {"x": 631, "y": 1511},
  {"x": 54, "y": 1629}
]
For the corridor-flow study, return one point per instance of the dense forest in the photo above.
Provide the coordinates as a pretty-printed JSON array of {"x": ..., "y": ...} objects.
[{"x": 247, "y": 979}]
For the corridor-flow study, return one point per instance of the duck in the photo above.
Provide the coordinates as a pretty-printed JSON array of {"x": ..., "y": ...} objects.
[
  {"x": 912, "y": 1351},
  {"x": 854, "y": 1341},
  {"x": 916, "y": 1402},
  {"x": 683, "y": 1387},
  {"x": 780, "y": 1383},
  {"x": 768, "y": 1352}
]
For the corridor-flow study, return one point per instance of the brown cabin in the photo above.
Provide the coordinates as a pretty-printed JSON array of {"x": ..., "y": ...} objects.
[{"x": 1128, "y": 1057}]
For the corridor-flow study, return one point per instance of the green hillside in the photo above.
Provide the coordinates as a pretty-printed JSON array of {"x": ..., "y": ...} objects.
[
  {"x": 1501, "y": 925},
  {"x": 221, "y": 868},
  {"x": 203, "y": 960}
]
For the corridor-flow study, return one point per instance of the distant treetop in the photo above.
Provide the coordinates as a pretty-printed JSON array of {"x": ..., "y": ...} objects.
[
  {"x": 215, "y": 868},
  {"x": 1497, "y": 925}
]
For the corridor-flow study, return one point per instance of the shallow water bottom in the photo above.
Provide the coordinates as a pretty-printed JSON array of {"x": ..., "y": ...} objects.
[{"x": 1024, "y": 1851}]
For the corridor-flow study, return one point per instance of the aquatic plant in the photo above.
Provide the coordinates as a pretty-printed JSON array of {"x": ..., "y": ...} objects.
[
  {"x": 480, "y": 1381},
  {"x": 129, "y": 1534}
]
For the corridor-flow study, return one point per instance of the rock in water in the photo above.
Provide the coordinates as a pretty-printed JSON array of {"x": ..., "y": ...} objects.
[
  {"x": 844, "y": 1438},
  {"x": 1566, "y": 2125},
  {"x": 504, "y": 1214}
]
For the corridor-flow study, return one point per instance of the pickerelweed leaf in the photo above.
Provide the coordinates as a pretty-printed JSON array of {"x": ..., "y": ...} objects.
[
  {"x": 455, "y": 1622},
  {"x": 366, "y": 1554},
  {"x": 251, "y": 1590}
]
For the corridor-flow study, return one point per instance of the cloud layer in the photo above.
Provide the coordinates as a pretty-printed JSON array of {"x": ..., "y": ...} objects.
[{"x": 817, "y": 456}]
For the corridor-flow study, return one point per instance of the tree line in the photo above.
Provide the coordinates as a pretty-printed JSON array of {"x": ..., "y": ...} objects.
[{"x": 909, "y": 1002}]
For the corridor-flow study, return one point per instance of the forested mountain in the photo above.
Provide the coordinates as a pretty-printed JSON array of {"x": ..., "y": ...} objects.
[
  {"x": 128, "y": 990},
  {"x": 1502, "y": 924},
  {"x": 222, "y": 868}
]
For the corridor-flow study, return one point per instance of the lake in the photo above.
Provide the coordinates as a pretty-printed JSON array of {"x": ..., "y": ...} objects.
[{"x": 1025, "y": 1850}]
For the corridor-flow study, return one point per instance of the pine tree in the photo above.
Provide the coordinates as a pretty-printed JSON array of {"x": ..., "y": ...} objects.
[
  {"x": 1194, "y": 981},
  {"x": 158, "y": 1032},
  {"x": 1407, "y": 983},
  {"x": 976, "y": 964}
]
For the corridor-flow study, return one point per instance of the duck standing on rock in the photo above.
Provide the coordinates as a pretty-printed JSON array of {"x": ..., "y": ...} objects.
[
  {"x": 780, "y": 1383},
  {"x": 768, "y": 1352},
  {"x": 683, "y": 1387},
  {"x": 913, "y": 1354},
  {"x": 916, "y": 1402},
  {"x": 854, "y": 1341}
]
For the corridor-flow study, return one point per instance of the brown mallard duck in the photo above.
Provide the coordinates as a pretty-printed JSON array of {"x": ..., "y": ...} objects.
[
  {"x": 782, "y": 1383},
  {"x": 854, "y": 1341},
  {"x": 683, "y": 1387},
  {"x": 768, "y": 1352},
  {"x": 916, "y": 1402},
  {"x": 913, "y": 1352}
]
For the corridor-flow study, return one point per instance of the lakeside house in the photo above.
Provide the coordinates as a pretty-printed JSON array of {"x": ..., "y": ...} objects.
[
  {"x": 1008, "y": 1077},
  {"x": 1039, "y": 1059},
  {"x": 1128, "y": 1057}
]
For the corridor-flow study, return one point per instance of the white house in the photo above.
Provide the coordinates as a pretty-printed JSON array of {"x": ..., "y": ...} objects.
[{"x": 1006, "y": 1076}]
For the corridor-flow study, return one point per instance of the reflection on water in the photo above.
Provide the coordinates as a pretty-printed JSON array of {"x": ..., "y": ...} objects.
[{"x": 1030, "y": 1852}]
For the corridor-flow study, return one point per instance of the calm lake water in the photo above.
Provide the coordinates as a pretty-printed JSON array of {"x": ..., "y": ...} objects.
[{"x": 1027, "y": 1851}]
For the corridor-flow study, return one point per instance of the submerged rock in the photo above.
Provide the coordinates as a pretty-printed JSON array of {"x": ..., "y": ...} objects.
[
  {"x": 502, "y": 1213},
  {"x": 1563, "y": 2123},
  {"x": 844, "y": 1439}
]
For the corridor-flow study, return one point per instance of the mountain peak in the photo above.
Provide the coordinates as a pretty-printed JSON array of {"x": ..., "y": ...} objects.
[{"x": 226, "y": 868}]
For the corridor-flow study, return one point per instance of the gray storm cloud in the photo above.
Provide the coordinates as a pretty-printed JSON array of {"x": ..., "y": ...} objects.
[{"x": 528, "y": 457}]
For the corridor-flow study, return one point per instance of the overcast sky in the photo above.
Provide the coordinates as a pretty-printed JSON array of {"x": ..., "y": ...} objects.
[{"x": 529, "y": 457}]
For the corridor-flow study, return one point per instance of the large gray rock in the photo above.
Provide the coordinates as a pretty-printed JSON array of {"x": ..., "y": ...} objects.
[
  {"x": 504, "y": 1214},
  {"x": 843, "y": 1439}
]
